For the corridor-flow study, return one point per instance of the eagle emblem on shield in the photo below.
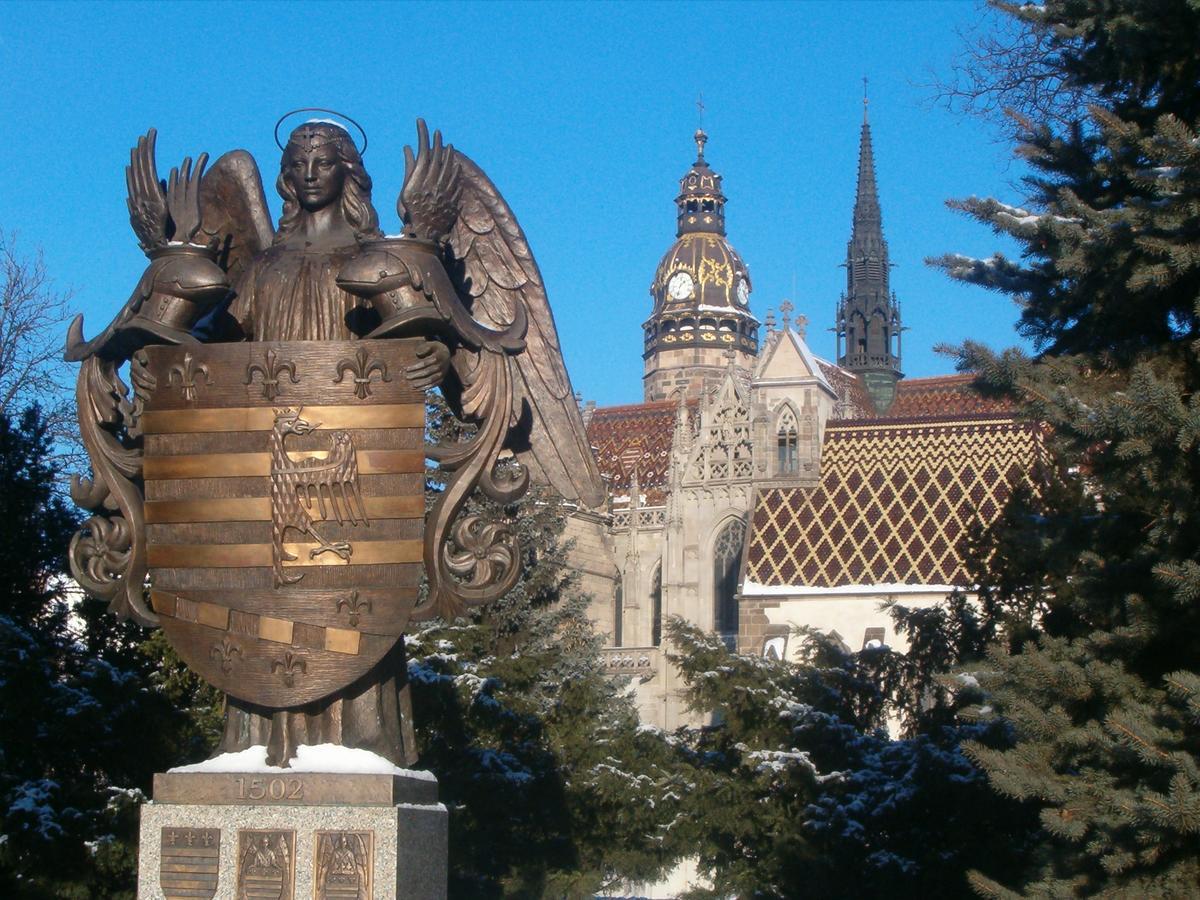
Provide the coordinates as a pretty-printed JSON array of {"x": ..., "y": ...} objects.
[{"x": 284, "y": 540}]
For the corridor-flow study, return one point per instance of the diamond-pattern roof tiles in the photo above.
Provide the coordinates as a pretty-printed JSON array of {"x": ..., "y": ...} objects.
[{"x": 894, "y": 504}]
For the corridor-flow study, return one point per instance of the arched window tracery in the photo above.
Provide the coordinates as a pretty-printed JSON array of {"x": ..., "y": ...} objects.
[
  {"x": 787, "y": 443},
  {"x": 727, "y": 560}
]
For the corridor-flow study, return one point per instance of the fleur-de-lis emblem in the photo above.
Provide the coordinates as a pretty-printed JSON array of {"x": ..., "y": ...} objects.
[
  {"x": 355, "y": 605},
  {"x": 289, "y": 667},
  {"x": 225, "y": 652},
  {"x": 186, "y": 373},
  {"x": 270, "y": 372},
  {"x": 362, "y": 369}
]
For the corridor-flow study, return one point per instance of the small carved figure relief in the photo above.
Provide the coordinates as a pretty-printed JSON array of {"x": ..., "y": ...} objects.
[
  {"x": 343, "y": 864},
  {"x": 266, "y": 865}
]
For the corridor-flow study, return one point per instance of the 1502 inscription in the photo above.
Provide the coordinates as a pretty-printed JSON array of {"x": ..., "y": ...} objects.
[{"x": 269, "y": 789}]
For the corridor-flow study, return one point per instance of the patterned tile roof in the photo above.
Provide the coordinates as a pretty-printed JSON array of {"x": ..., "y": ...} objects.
[
  {"x": 916, "y": 398},
  {"x": 941, "y": 396},
  {"x": 894, "y": 503},
  {"x": 639, "y": 436}
]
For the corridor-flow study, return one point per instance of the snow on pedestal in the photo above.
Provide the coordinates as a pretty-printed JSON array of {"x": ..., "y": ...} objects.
[{"x": 328, "y": 758}]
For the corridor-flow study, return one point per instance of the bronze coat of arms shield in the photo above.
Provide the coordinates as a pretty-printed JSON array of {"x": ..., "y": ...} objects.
[{"x": 284, "y": 486}]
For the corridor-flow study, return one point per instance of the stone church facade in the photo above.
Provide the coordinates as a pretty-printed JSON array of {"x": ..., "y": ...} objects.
[{"x": 758, "y": 486}]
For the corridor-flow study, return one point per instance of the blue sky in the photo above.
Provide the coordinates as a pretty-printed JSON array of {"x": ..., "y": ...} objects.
[{"x": 581, "y": 114}]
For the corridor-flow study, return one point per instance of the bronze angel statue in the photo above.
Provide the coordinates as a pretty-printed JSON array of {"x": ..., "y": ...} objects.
[{"x": 204, "y": 488}]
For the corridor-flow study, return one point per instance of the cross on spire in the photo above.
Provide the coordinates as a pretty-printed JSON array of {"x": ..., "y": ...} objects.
[
  {"x": 786, "y": 308},
  {"x": 866, "y": 100},
  {"x": 700, "y": 110}
]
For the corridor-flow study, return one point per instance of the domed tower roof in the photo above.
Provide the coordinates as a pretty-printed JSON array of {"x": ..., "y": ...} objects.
[
  {"x": 701, "y": 203},
  {"x": 701, "y": 292}
]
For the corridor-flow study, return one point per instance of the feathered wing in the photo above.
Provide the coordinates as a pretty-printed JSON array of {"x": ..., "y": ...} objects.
[
  {"x": 234, "y": 211},
  {"x": 495, "y": 272}
]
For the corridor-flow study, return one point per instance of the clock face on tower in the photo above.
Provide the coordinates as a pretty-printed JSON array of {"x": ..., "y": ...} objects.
[
  {"x": 680, "y": 286},
  {"x": 743, "y": 291}
]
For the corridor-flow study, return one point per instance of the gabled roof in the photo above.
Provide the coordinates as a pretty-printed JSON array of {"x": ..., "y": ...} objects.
[
  {"x": 786, "y": 355},
  {"x": 894, "y": 505},
  {"x": 636, "y": 436}
]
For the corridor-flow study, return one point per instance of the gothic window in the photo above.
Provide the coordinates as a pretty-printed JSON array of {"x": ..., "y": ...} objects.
[
  {"x": 727, "y": 559},
  {"x": 787, "y": 461},
  {"x": 656, "y": 607},
  {"x": 877, "y": 340},
  {"x": 618, "y": 614}
]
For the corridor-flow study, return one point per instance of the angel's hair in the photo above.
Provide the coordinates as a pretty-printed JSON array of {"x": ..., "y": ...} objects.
[{"x": 356, "y": 195}]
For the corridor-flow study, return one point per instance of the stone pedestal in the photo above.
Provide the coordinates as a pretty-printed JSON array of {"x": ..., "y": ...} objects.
[{"x": 293, "y": 836}]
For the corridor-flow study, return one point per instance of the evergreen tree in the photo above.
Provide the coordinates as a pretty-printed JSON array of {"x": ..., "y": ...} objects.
[
  {"x": 1101, "y": 687},
  {"x": 81, "y": 733},
  {"x": 801, "y": 792},
  {"x": 552, "y": 787}
]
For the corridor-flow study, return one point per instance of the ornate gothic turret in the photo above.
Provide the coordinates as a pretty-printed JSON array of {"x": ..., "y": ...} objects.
[
  {"x": 868, "y": 317},
  {"x": 701, "y": 294}
]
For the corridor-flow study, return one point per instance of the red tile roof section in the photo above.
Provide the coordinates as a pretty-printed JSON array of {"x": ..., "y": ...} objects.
[
  {"x": 939, "y": 396},
  {"x": 639, "y": 436}
]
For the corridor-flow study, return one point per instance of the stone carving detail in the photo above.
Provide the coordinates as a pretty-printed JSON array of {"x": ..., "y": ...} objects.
[
  {"x": 724, "y": 448},
  {"x": 266, "y": 865},
  {"x": 342, "y": 865},
  {"x": 190, "y": 860}
]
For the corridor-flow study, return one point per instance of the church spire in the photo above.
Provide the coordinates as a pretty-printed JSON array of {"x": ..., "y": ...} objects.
[{"x": 868, "y": 321}]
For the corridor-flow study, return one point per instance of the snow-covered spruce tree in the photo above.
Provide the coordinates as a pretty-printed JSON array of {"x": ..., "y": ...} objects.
[
  {"x": 553, "y": 789},
  {"x": 81, "y": 732},
  {"x": 800, "y": 792},
  {"x": 1104, "y": 700}
]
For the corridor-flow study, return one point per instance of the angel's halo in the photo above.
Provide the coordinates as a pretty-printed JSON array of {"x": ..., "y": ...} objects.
[{"x": 321, "y": 109}]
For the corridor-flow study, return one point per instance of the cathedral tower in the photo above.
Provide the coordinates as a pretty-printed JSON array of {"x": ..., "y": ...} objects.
[
  {"x": 701, "y": 321},
  {"x": 868, "y": 316}
]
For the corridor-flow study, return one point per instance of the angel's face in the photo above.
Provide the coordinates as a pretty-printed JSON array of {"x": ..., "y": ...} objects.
[{"x": 317, "y": 176}]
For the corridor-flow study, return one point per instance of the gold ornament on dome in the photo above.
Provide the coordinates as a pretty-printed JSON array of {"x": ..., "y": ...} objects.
[{"x": 719, "y": 273}]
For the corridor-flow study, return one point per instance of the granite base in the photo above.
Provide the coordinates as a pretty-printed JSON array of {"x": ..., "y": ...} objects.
[{"x": 320, "y": 836}]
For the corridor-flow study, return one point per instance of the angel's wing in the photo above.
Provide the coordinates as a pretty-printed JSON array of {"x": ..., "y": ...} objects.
[
  {"x": 495, "y": 274},
  {"x": 234, "y": 210},
  {"x": 145, "y": 197}
]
